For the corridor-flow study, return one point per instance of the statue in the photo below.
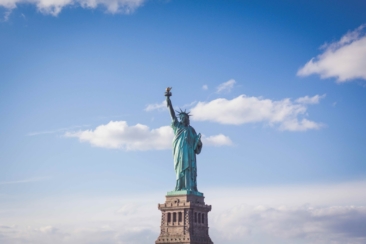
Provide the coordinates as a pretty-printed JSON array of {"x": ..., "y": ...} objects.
[
  {"x": 184, "y": 216},
  {"x": 186, "y": 145}
]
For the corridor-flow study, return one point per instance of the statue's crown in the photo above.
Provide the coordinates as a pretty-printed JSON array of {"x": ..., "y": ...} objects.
[{"x": 181, "y": 112}]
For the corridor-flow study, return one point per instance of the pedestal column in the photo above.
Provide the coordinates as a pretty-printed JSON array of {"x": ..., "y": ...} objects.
[{"x": 184, "y": 220}]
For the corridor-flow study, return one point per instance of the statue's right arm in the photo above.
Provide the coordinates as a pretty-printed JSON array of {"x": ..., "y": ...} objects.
[{"x": 170, "y": 107}]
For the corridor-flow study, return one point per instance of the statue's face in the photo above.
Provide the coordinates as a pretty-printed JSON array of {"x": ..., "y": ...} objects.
[{"x": 184, "y": 119}]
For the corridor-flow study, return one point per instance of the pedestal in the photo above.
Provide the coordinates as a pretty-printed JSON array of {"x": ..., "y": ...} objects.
[{"x": 184, "y": 219}]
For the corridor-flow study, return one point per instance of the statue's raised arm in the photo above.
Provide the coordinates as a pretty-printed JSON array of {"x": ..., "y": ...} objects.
[{"x": 169, "y": 103}]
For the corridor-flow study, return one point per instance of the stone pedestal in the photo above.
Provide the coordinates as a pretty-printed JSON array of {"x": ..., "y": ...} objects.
[{"x": 184, "y": 219}]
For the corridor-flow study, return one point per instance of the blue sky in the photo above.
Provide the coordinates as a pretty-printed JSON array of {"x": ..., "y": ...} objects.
[{"x": 277, "y": 88}]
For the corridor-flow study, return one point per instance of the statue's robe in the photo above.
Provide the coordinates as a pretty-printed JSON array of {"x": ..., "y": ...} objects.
[{"x": 185, "y": 156}]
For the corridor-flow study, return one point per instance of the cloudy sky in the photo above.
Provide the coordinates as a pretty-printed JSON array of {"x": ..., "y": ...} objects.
[{"x": 276, "y": 88}]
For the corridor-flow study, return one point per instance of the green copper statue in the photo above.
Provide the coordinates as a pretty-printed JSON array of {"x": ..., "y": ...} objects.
[{"x": 186, "y": 145}]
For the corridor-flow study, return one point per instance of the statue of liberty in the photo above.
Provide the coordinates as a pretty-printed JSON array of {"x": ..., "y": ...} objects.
[{"x": 186, "y": 145}]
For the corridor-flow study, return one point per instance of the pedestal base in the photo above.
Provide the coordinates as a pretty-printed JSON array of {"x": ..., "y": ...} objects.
[{"x": 184, "y": 220}]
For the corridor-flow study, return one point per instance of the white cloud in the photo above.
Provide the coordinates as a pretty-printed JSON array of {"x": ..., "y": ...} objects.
[
  {"x": 316, "y": 213},
  {"x": 205, "y": 87},
  {"x": 156, "y": 106},
  {"x": 81, "y": 234},
  {"x": 24, "y": 181},
  {"x": 226, "y": 86},
  {"x": 36, "y": 133},
  {"x": 6, "y": 15},
  {"x": 54, "y": 7},
  {"x": 339, "y": 194},
  {"x": 188, "y": 105},
  {"x": 118, "y": 134},
  {"x": 307, "y": 214},
  {"x": 48, "y": 229},
  {"x": 242, "y": 109},
  {"x": 128, "y": 209},
  {"x": 311, "y": 224},
  {"x": 344, "y": 59},
  {"x": 218, "y": 140},
  {"x": 299, "y": 125},
  {"x": 310, "y": 100}
]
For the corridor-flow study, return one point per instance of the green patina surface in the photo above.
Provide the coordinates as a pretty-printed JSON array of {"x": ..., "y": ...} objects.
[
  {"x": 184, "y": 192},
  {"x": 186, "y": 144}
]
